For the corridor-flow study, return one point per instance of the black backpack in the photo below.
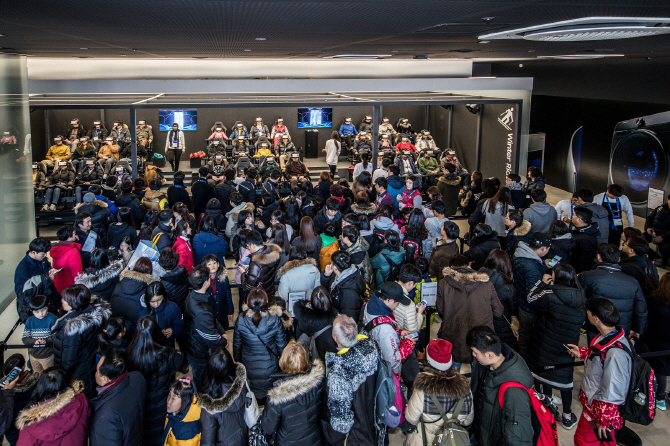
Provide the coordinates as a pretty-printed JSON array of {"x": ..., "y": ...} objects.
[
  {"x": 640, "y": 404},
  {"x": 650, "y": 282}
]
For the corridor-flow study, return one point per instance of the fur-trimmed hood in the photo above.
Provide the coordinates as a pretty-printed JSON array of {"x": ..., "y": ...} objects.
[
  {"x": 267, "y": 255},
  {"x": 370, "y": 209},
  {"x": 450, "y": 181},
  {"x": 153, "y": 194},
  {"x": 273, "y": 310},
  {"x": 291, "y": 388},
  {"x": 463, "y": 277},
  {"x": 217, "y": 405},
  {"x": 42, "y": 411},
  {"x": 102, "y": 204},
  {"x": 137, "y": 276},
  {"x": 295, "y": 264},
  {"x": 522, "y": 230},
  {"x": 91, "y": 317},
  {"x": 93, "y": 279},
  {"x": 449, "y": 383}
]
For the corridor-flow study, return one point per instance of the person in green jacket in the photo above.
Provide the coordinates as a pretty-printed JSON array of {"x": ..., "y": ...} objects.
[
  {"x": 496, "y": 363},
  {"x": 269, "y": 165},
  {"x": 391, "y": 255},
  {"x": 84, "y": 151},
  {"x": 429, "y": 166}
]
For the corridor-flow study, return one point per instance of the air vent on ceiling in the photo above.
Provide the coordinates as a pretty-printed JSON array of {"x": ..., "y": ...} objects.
[{"x": 588, "y": 28}]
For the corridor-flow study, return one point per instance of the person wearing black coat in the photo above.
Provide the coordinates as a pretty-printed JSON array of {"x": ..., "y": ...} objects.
[
  {"x": 637, "y": 265},
  {"x": 223, "y": 190},
  {"x": 521, "y": 232},
  {"x": 658, "y": 223},
  {"x": 292, "y": 413},
  {"x": 220, "y": 297},
  {"x": 562, "y": 246},
  {"x": 101, "y": 282},
  {"x": 214, "y": 209},
  {"x": 585, "y": 234},
  {"x": 259, "y": 347},
  {"x": 222, "y": 418},
  {"x": 346, "y": 287},
  {"x": 310, "y": 321},
  {"x": 127, "y": 295},
  {"x": 248, "y": 187},
  {"x": 130, "y": 200},
  {"x": 175, "y": 282},
  {"x": 506, "y": 295},
  {"x": 262, "y": 267},
  {"x": 117, "y": 231},
  {"x": 560, "y": 303},
  {"x": 484, "y": 241},
  {"x": 118, "y": 410},
  {"x": 164, "y": 231},
  {"x": 177, "y": 193},
  {"x": 657, "y": 337},
  {"x": 101, "y": 216},
  {"x": 202, "y": 192},
  {"x": 75, "y": 333}
]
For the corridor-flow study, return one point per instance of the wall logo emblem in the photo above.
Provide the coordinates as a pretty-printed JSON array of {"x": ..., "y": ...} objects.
[{"x": 507, "y": 118}]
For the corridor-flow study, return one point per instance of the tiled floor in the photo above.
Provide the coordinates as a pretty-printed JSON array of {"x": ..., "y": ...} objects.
[{"x": 657, "y": 434}]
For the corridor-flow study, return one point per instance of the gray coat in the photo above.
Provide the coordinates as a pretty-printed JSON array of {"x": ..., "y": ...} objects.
[
  {"x": 540, "y": 216},
  {"x": 298, "y": 276},
  {"x": 601, "y": 218}
]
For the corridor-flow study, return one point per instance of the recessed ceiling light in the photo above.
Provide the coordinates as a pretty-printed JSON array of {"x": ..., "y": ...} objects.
[
  {"x": 260, "y": 38},
  {"x": 83, "y": 48},
  {"x": 123, "y": 55},
  {"x": 247, "y": 50},
  {"x": 484, "y": 41}
]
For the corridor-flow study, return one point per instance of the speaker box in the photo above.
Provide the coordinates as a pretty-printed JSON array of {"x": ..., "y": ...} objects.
[{"x": 312, "y": 143}]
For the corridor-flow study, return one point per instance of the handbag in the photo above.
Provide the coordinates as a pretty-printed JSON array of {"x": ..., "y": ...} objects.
[
  {"x": 251, "y": 411},
  {"x": 145, "y": 249}
]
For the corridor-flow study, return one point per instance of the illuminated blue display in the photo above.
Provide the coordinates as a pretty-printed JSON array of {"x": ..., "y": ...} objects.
[
  {"x": 315, "y": 118},
  {"x": 187, "y": 119}
]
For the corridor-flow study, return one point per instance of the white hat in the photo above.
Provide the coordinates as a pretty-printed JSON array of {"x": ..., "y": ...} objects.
[
  {"x": 96, "y": 122},
  {"x": 62, "y": 163},
  {"x": 142, "y": 122},
  {"x": 295, "y": 155},
  {"x": 89, "y": 162}
]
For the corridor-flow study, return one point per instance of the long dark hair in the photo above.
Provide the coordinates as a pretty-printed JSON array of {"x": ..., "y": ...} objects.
[
  {"x": 219, "y": 373},
  {"x": 242, "y": 216},
  {"x": 498, "y": 260},
  {"x": 99, "y": 260},
  {"x": 110, "y": 332},
  {"x": 307, "y": 237},
  {"x": 257, "y": 298},
  {"x": 662, "y": 293},
  {"x": 292, "y": 212},
  {"x": 184, "y": 389},
  {"x": 415, "y": 228},
  {"x": 125, "y": 216},
  {"x": 504, "y": 197},
  {"x": 566, "y": 275},
  {"x": 279, "y": 237},
  {"x": 365, "y": 158},
  {"x": 181, "y": 209},
  {"x": 52, "y": 382},
  {"x": 154, "y": 289},
  {"x": 320, "y": 299},
  {"x": 148, "y": 349}
]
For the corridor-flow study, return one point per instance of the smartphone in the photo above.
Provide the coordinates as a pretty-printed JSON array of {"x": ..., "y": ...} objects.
[
  {"x": 553, "y": 262},
  {"x": 11, "y": 376},
  {"x": 423, "y": 302},
  {"x": 58, "y": 270},
  {"x": 413, "y": 335}
]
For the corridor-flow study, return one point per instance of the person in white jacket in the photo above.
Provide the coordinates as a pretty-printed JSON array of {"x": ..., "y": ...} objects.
[
  {"x": 298, "y": 275},
  {"x": 174, "y": 146},
  {"x": 615, "y": 202},
  {"x": 333, "y": 148},
  {"x": 565, "y": 208}
]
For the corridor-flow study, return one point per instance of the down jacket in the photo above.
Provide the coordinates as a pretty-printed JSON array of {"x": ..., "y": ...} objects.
[
  {"x": 176, "y": 285},
  {"x": 128, "y": 294},
  {"x": 202, "y": 329},
  {"x": 528, "y": 269},
  {"x": 297, "y": 276},
  {"x": 359, "y": 257},
  {"x": 600, "y": 219},
  {"x": 75, "y": 341},
  {"x": 101, "y": 217},
  {"x": 259, "y": 348},
  {"x": 561, "y": 313},
  {"x": 447, "y": 387},
  {"x": 506, "y": 296},
  {"x": 262, "y": 269},
  {"x": 102, "y": 282},
  {"x": 293, "y": 409},
  {"x": 608, "y": 281},
  {"x": 480, "y": 248},
  {"x": 465, "y": 299},
  {"x": 346, "y": 291},
  {"x": 441, "y": 256},
  {"x": 222, "y": 419},
  {"x": 383, "y": 262},
  {"x": 309, "y": 321}
]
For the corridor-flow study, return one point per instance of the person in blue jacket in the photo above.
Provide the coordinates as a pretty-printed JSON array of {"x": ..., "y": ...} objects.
[
  {"x": 166, "y": 313},
  {"x": 208, "y": 241},
  {"x": 220, "y": 296},
  {"x": 347, "y": 132}
]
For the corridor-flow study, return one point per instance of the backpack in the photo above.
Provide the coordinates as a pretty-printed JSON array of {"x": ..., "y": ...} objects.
[
  {"x": 650, "y": 282},
  {"x": 309, "y": 342},
  {"x": 640, "y": 404},
  {"x": 411, "y": 250},
  {"x": 542, "y": 416},
  {"x": 452, "y": 433},
  {"x": 394, "y": 272}
]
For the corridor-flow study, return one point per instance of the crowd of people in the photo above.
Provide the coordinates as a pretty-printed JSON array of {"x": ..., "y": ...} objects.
[{"x": 337, "y": 287}]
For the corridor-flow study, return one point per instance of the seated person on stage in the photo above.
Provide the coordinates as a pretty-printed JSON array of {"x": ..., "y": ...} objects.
[
  {"x": 57, "y": 152},
  {"x": 240, "y": 144},
  {"x": 144, "y": 137},
  {"x": 259, "y": 129},
  {"x": 284, "y": 146},
  {"x": 217, "y": 166},
  {"x": 406, "y": 164},
  {"x": 108, "y": 155},
  {"x": 85, "y": 151},
  {"x": 366, "y": 125},
  {"x": 218, "y": 133},
  {"x": 385, "y": 128},
  {"x": 61, "y": 179},
  {"x": 263, "y": 151},
  {"x": 348, "y": 131},
  {"x": 97, "y": 134},
  {"x": 91, "y": 174},
  {"x": 405, "y": 144},
  {"x": 426, "y": 142},
  {"x": 39, "y": 178},
  {"x": 363, "y": 144},
  {"x": 120, "y": 134},
  {"x": 278, "y": 130},
  {"x": 405, "y": 127},
  {"x": 385, "y": 144},
  {"x": 429, "y": 166},
  {"x": 239, "y": 130},
  {"x": 296, "y": 171},
  {"x": 74, "y": 132}
]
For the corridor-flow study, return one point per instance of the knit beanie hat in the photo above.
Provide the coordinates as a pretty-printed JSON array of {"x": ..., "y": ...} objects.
[{"x": 438, "y": 354}]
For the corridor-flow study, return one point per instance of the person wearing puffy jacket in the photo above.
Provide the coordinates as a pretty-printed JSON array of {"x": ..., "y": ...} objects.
[
  {"x": 102, "y": 275},
  {"x": 292, "y": 413},
  {"x": 258, "y": 341},
  {"x": 167, "y": 315},
  {"x": 600, "y": 214},
  {"x": 207, "y": 241},
  {"x": 182, "y": 245},
  {"x": 220, "y": 296},
  {"x": 175, "y": 279},
  {"x": 298, "y": 275},
  {"x": 66, "y": 256},
  {"x": 130, "y": 290},
  {"x": 499, "y": 269},
  {"x": 263, "y": 265}
]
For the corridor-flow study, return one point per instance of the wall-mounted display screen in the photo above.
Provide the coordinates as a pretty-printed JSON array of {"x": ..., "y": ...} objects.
[
  {"x": 187, "y": 119},
  {"x": 315, "y": 118}
]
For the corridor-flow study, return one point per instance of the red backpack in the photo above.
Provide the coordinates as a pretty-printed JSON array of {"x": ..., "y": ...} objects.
[{"x": 544, "y": 424}]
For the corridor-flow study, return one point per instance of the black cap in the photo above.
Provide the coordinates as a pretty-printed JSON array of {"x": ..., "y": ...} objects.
[
  {"x": 393, "y": 291},
  {"x": 539, "y": 239}
]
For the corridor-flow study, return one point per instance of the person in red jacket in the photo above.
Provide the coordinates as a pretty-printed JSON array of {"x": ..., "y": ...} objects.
[
  {"x": 66, "y": 257},
  {"x": 405, "y": 144},
  {"x": 59, "y": 413},
  {"x": 182, "y": 245}
]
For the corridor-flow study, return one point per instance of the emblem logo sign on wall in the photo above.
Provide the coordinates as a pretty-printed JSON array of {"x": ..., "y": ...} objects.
[{"x": 507, "y": 118}]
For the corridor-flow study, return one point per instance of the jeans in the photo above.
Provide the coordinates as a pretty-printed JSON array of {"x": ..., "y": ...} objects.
[
  {"x": 52, "y": 195},
  {"x": 526, "y": 323},
  {"x": 107, "y": 165},
  {"x": 78, "y": 190}
]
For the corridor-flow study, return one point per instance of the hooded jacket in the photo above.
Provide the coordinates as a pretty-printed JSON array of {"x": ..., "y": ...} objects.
[
  {"x": 449, "y": 187},
  {"x": 522, "y": 233},
  {"x": 262, "y": 269},
  {"x": 540, "y": 216},
  {"x": 259, "y": 348},
  {"x": 328, "y": 246},
  {"x": 510, "y": 425},
  {"x": 441, "y": 256},
  {"x": 135, "y": 205},
  {"x": 167, "y": 315},
  {"x": 562, "y": 246},
  {"x": 60, "y": 421},
  {"x": 222, "y": 419},
  {"x": 396, "y": 186},
  {"x": 309, "y": 321},
  {"x": 182, "y": 246},
  {"x": 203, "y": 331},
  {"x": 165, "y": 238},
  {"x": 369, "y": 209},
  {"x": 232, "y": 217},
  {"x": 507, "y": 297},
  {"x": 88, "y": 152},
  {"x": 102, "y": 282},
  {"x": 346, "y": 291},
  {"x": 293, "y": 409},
  {"x": 480, "y": 248},
  {"x": 428, "y": 165},
  {"x": 659, "y": 221},
  {"x": 321, "y": 219},
  {"x": 465, "y": 299},
  {"x": 427, "y": 144},
  {"x": 66, "y": 255},
  {"x": 408, "y": 168},
  {"x": 359, "y": 257},
  {"x": 176, "y": 285},
  {"x": 381, "y": 224},
  {"x": 528, "y": 268},
  {"x": 384, "y": 261},
  {"x": 183, "y": 429},
  {"x": 75, "y": 341},
  {"x": 586, "y": 248},
  {"x": 600, "y": 220},
  {"x": 127, "y": 295},
  {"x": 298, "y": 276},
  {"x": 386, "y": 334},
  {"x": 101, "y": 216}
]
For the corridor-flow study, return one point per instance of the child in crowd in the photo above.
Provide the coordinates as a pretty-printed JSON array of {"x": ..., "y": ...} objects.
[
  {"x": 113, "y": 335},
  {"x": 182, "y": 423},
  {"x": 329, "y": 244},
  {"x": 37, "y": 333}
]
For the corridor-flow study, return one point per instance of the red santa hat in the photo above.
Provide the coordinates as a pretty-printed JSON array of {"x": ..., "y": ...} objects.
[{"x": 438, "y": 354}]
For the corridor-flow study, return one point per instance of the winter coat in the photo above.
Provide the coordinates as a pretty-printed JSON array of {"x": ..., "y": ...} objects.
[
  {"x": 608, "y": 281},
  {"x": 328, "y": 246},
  {"x": 586, "y": 248},
  {"x": 167, "y": 315},
  {"x": 232, "y": 215},
  {"x": 298, "y": 276},
  {"x": 408, "y": 168},
  {"x": 207, "y": 243},
  {"x": 128, "y": 294},
  {"x": 428, "y": 165},
  {"x": 600, "y": 220},
  {"x": 528, "y": 268},
  {"x": 183, "y": 247},
  {"x": 101, "y": 217},
  {"x": 506, "y": 296},
  {"x": 109, "y": 151},
  {"x": 562, "y": 246},
  {"x": 496, "y": 219},
  {"x": 59, "y": 178},
  {"x": 540, "y": 216},
  {"x": 202, "y": 192},
  {"x": 408, "y": 318},
  {"x": 561, "y": 314},
  {"x": 61, "y": 152},
  {"x": 178, "y": 194},
  {"x": 480, "y": 248},
  {"x": 137, "y": 210},
  {"x": 333, "y": 149},
  {"x": 383, "y": 262},
  {"x": 510, "y": 425},
  {"x": 321, "y": 219},
  {"x": 262, "y": 269},
  {"x": 293, "y": 409},
  {"x": 222, "y": 419},
  {"x": 203, "y": 331},
  {"x": 75, "y": 341},
  {"x": 368, "y": 210},
  {"x": 530, "y": 185},
  {"x": 29, "y": 269},
  {"x": 657, "y": 337},
  {"x": 60, "y": 421},
  {"x": 309, "y": 321},
  {"x": 522, "y": 233},
  {"x": 221, "y": 300},
  {"x": 346, "y": 291},
  {"x": 66, "y": 255},
  {"x": 222, "y": 192},
  {"x": 165, "y": 239},
  {"x": 259, "y": 348},
  {"x": 350, "y": 394},
  {"x": 93, "y": 176},
  {"x": 447, "y": 387},
  {"x": 218, "y": 216},
  {"x": 116, "y": 232},
  {"x": 102, "y": 282},
  {"x": 359, "y": 257},
  {"x": 441, "y": 256},
  {"x": 176, "y": 285},
  {"x": 638, "y": 267},
  {"x": 118, "y": 413},
  {"x": 465, "y": 299},
  {"x": 183, "y": 429},
  {"x": 659, "y": 221},
  {"x": 392, "y": 350},
  {"x": 101, "y": 133},
  {"x": 449, "y": 187}
]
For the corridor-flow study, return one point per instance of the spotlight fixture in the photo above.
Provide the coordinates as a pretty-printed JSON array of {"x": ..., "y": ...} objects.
[
  {"x": 473, "y": 108},
  {"x": 260, "y": 39}
]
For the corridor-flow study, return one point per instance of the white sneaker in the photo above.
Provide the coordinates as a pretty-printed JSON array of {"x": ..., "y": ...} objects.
[
  {"x": 556, "y": 400},
  {"x": 44, "y": 208},
  {"x": 52, "y": 207}
]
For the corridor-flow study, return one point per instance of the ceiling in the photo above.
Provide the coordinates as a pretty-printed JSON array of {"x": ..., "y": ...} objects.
[{"x": 309, "y": 29}]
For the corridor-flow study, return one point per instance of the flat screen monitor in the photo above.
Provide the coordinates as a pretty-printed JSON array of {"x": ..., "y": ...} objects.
[
  {"x": 187, "y": 119},
  {"x": 315, "y": 118}
]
